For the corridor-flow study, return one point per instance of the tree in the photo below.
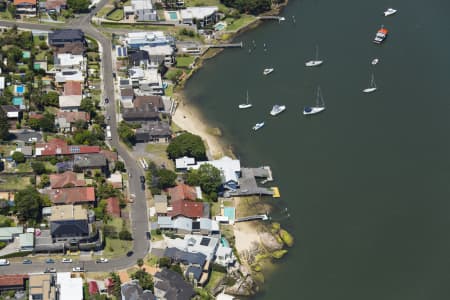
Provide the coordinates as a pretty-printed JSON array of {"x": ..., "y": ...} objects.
[
  {"x": 125, "y": 235},
  {"x": 45, "y": 181},
  {"x": 47, "y": 122},
  {"x": 119, "y": 166},
  {"x": 140, "y": 262},
  {"x": 144, "y": 278},
  {"x": 166, "y": 178},
  {"x": 38, "y": 167},
  {"x": 116, "y": 285},
  {"x": 100, "y": 210},
  {"x": 28, "y": 204},
  {"x": 4, "y": 126},
  {"x": 207, "y": 177},
  {"x": 126, "y": 134},
  {"x": 18, "y": 157},
  {"x": 187, "y": 144},
  {"x": 88, "y": 105},
  {"x": 79, "y": 5},
  {"x": 34, "y": 124},
  {"x": 50, "y": 99}
]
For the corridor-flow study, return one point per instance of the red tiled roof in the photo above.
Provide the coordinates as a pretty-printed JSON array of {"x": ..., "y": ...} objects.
[
  {"x": 73, "y": 195},
  {"x": 58, "y": 181},
  {"x": 72, "y": 88},
  {"x": 110, "y": 155},
  {"x": 190, "y": 209},
  {"x": 12, "y": 280},
  {"x": 60, "y": 147},
  {"x": 17, "y": 2},
  {"x": 54, "y": 4},
  {"x": 93, "y": 287},
  {"x": 182, "y": 192},
  {"x": 35, "y": 115},
  {"x": 72, "y": 116},
  {"x": 113, "y": 207},
  {"x": 109, "y": 282}
]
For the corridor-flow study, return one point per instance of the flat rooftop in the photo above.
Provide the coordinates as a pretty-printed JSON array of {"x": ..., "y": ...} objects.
[{"x": 68, "y": 212}]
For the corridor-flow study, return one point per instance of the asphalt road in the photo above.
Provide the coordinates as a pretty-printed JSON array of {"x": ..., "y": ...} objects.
[{"x": 139, "y": 217}]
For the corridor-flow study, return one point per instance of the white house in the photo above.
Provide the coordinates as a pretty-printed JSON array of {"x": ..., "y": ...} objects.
[
  {"x": 69, "y": 288},
  {"x": 69, "y": 75},
  {"x": 201, "y": 15},
  {"x": 149, "y": 81},
  {"x": 143, "y": 10},
  {"x": 162, "y": 54},
  {"x": 68, "y": 60},
  {"x": 229, "y": 168},
  {"x": 147, "y": 38},
  {"x": 2, "y": 84},
  {"x": 184, "y": 162}
]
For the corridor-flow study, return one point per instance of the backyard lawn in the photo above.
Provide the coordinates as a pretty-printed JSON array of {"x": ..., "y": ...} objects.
[
  {"x": 116, "y": 247},
  {"x": 185, "y": 61},
  {"x": 206, "y": 3},
  {"x": 235, "y": 24},
  {"x": 214, "y": 280},
  {"x": 13, "y": 183}
]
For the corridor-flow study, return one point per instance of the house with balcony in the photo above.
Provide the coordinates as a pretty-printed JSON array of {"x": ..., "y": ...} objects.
[
  {"x": 148, "y": 81},
  {"x": 136, "y": 40},
  {"x": 200, "y": 15},
  {"x": 25, "y": 8},
  {"x": 143, "y": 10}
]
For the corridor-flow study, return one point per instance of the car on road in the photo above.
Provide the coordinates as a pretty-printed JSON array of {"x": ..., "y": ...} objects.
[
  {"x": 66, "y": 260},
  {"x": 101, "y": 260},
  {"x": 106, "y": 100},
  {"x": 27, "y": 262},
  {"x": 130, "y": 253},
  {"x": 108, "y": 118},
  {"x": 32, "y": 139},
  {"x": 77, "y": 269},
  {"x": 142, "y": 179},
  {"x": 50, "y": 270},
  {"x": 148, "y": 235},
  {"x": 49, "y": 261}
]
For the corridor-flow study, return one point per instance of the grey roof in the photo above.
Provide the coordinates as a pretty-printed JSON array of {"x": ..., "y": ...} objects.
[
  {"x": 173, "y": 285},
  {"x": 195, "y": 271},
  {"x": 155, "y": 128},
  {"x": 160, "y": 198},
  {"x": 182, "y": 223},
  {"x": 93, "y": 160},
  {"x": 186, "y": 258},
  {"x": 138, "y": 56},
  {"x": 26, "y": 150},
  {"x": 143, "y": 113},
  {"x": 10, "y": 108},
  {"x": 69, "y": 228},
  {"x": 165, "y": 222},
  {"x": 133, "y": 291},
  {"x": 66, "y": 35},
  {"x": 128, "y": 92}
]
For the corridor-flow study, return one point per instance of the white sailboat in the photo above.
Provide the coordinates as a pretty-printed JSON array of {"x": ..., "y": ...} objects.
[
  {"x": 375, "y": 61},
  {"x": 316, "y": 62},
  {"x": 389, "y": 11},
  {"x": 246, "y": 104},
  {"x": 372, "y": 86},
  {"x": 258, "y": 126},
  {"x": 319, "y": 107},
  {"x": 268, "y": 71}
]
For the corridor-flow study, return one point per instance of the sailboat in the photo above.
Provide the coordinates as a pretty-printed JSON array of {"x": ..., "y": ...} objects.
[
  {"x": 316, "y": 62},
  {"x": 246, "y": 104},
  {"x": 372, "y": 86},
  {"x": 319, "y": 107}
]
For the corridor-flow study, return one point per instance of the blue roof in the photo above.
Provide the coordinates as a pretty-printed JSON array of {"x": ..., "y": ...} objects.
[{"x": 195, "y": 271}]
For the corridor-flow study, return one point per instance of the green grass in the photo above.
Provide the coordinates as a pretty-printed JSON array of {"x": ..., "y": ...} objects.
[
  {"x": 206, "y": 3},
  {"x": 104, "y": 11},
  {"x": 152, "y": 260},
  {"x": 169, "y": 90},
  {"x": 41, "y": 55},
  {"x": 116, "y": 247},
  {"x": 169, "y": 29},
  {"x": 185, "y": 61},
  {"x": 214, "y": 280},
  {"x": 12, "y": 183},
  {"x": 157, "y": 149},
  {"x": 6, "y": 150},
  {"x": 49, "y": 166},
  {"x": 115, "y": 15},
  {"x": 236, "y": 24},
  {"x": 24, "y": 167},
  {"x": 5, "y": 15}
]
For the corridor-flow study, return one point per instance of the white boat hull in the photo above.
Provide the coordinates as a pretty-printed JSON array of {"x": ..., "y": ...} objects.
[
  {"x": 244, "y": 106},
  {"x": 375, "y": 61},
  {"x": 279, "y": 111},
  {"x": 313, "y": 63},
  {"x": 369, "y": 90},
  {"x": 313, "y": 110},
  {"x": 267, "y": 71},
  {"x": 390, "y": 12},
  {"x": 258, "y": 126}
]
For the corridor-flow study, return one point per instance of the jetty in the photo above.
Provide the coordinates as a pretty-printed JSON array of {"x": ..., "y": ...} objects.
[
  {"x": 277, "y": 18},
  {"x": 264, "y": 217},
  {"x": 248, "y": 185},
  {"x": 228, "y": 45}
]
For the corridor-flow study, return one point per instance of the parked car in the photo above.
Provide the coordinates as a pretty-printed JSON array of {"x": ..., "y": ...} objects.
[
  {"x": 49, "y": 261},
  {"x": 106, "y": 100},
  {"x": 32, "y": 139},
  {"x": 77, "y": 269},
  {"x": 142, "y": 179},
  {"x": 50, "y": 270},
  {"x": 101, "y": 260},
  {"x": 27, "y": 262},
  {"x": 66, "y": 260},
  {"x": 130, "y": 253}
]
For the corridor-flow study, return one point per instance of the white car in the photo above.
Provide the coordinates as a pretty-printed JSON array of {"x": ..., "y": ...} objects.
[
  {"x": 66, "y": 260},
  {"x": 101, "y": 260},
  {"x": 77, "y": 269},
  {"x": 32, "y": 139}
]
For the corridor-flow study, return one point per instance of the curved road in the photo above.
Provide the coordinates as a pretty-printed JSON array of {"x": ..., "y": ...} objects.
[{"x": 139, "y": 217}]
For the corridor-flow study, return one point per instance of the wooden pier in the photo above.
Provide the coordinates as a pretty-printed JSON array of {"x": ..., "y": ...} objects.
[
  {"x": 276, "y": 18},
  {"x": 252, "y": 218},
  {"x": 229, "y": 45}
]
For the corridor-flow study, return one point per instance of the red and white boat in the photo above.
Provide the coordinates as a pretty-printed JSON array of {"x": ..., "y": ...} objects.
[{"x": 381, "y": 35}]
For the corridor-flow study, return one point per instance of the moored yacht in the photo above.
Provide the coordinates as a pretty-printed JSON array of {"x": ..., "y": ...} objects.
[{"x": 276, "y": 109}]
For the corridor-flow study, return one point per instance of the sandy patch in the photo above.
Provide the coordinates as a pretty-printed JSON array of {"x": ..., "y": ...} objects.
[
  {"x": 246, "y": 236},
  {"x": 188, "y": 118}
]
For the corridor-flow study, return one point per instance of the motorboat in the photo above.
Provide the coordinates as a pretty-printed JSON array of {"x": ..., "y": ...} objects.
[
  {"x": 258, "y": 126},
  {"x": 246, "y": 104},
  {"x": 315, "y": 62},
  {"x": 268, "y": 71},
  {"x": 375, "y": 61},
  {"x": 319, "y": 106},
  {"x": 372, "y": 86},
  {"x": 381, "y": 35},
  {"x": 276, "y": 109},
  {"x": 389, "y": 11}
]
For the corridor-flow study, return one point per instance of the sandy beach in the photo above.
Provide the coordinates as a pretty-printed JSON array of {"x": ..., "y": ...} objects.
[
  {"x": 189, "y": 118},
  {"x": 246, "y": 236}
]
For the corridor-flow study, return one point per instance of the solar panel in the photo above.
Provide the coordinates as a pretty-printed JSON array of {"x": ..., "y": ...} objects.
[{"x": 204, "y": 241}]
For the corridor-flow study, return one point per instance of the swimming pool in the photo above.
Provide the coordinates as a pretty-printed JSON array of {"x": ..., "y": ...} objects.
[
  {"x": 173, "y": 15},
  {"x": 26, "y": 54},
  {"x": 230, "y": 213},
  {"x": 20, "y": 89},
  {"x": 219, "y": 26},
  {"x": 17, "y": 101}
]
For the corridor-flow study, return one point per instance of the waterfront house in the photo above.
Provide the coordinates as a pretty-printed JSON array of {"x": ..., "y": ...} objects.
[
  {"x": 139, "y": 58},
  {"x": 229, "y": 168},
  {"x": 26, "y": 8},
  {"x": 171, "y": 285},
  {"x": 153, "y": 132},
  {"x": 201, "y": 16},
  {"x": 163, "y": 54},
  {"x": 147, "y": 38},
  {"x": 183, "y": 163},
  {"x": 148, "y": 81},
  {"x": 189, "y": 209},
  {"x": 143, "y": 10},
  {"x": 185, "y": 258},
  {"x": 73, "y": 195}
]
